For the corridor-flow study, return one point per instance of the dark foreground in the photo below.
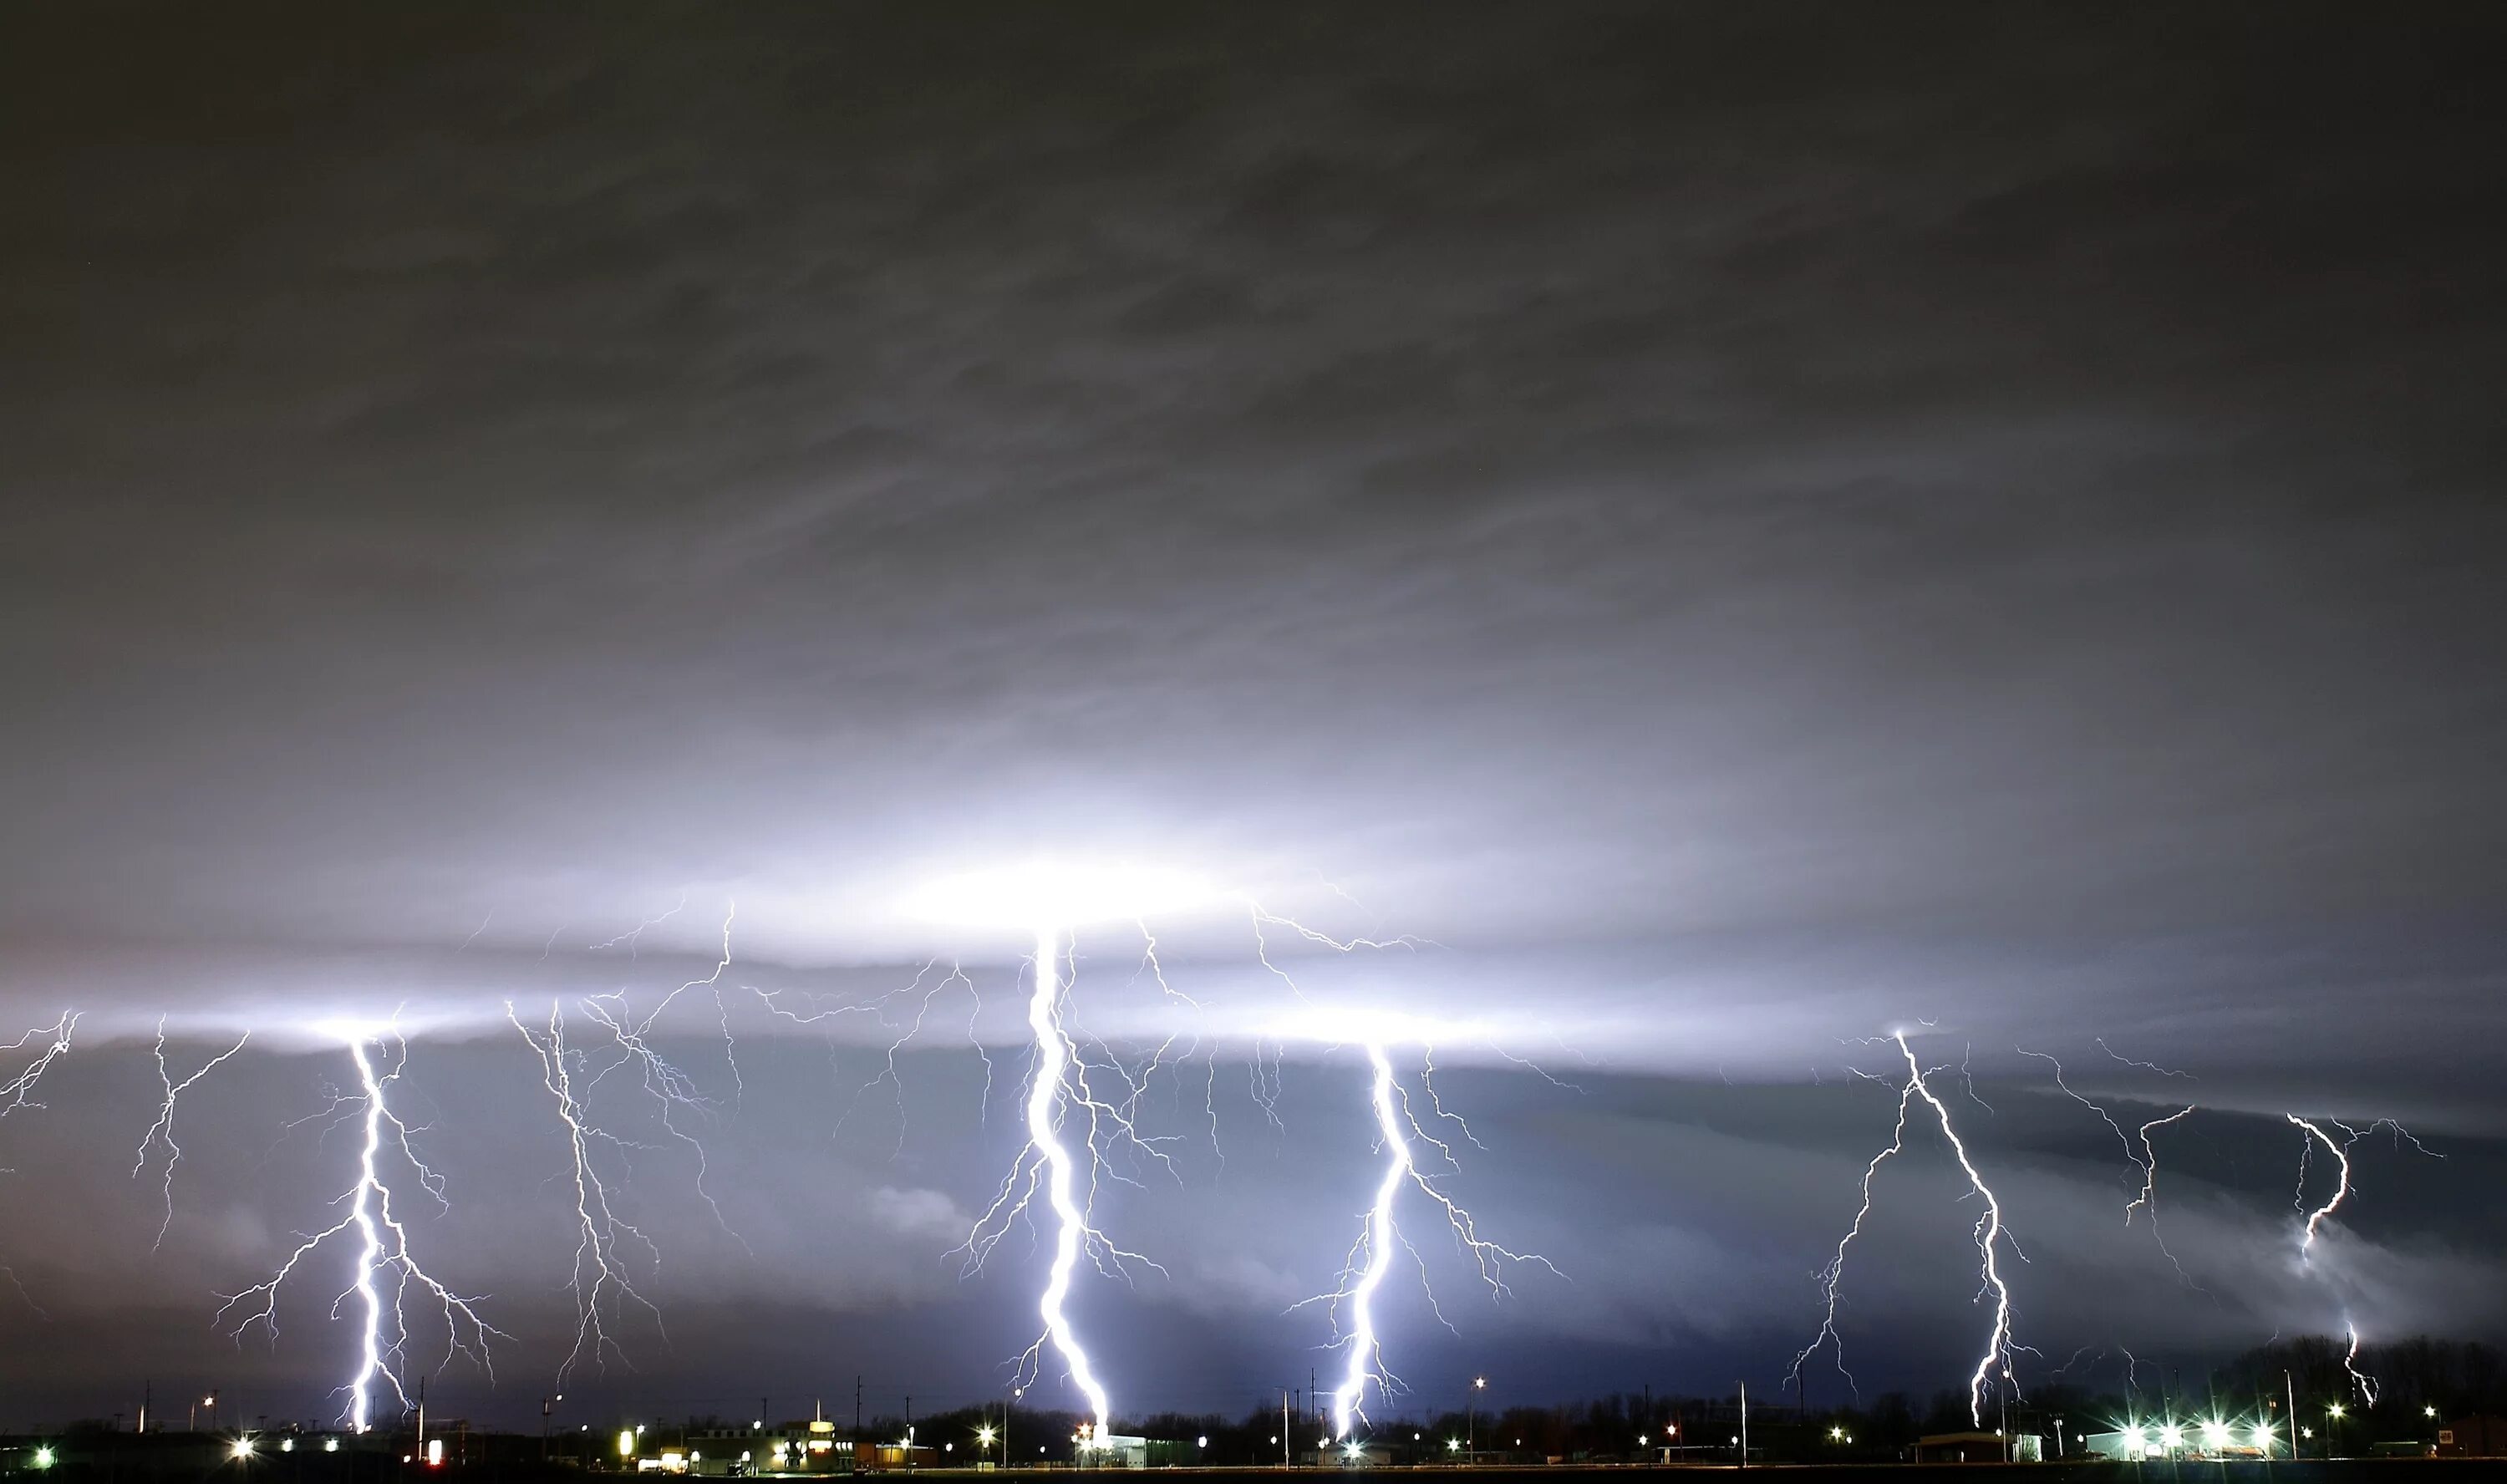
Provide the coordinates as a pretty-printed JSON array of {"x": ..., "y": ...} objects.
[{"x": 80, "y": 1466}]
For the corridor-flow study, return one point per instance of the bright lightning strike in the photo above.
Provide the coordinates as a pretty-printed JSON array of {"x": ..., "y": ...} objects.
[
  {"x": 2342, "y": 1185},
  {"x": 1995, "y": 1365},
  {"x": 597, "y": 1277},
  {"x": 383, "y": 1259},
  {"x": 2339, "y": 1149},
  {"x": 1370, "y": 1256},
  {"x": 161, "y": 1132},
  {"x": 1057, "y": 1087}
]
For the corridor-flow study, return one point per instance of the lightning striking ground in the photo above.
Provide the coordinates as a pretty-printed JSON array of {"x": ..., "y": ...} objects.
[
  {"x": 2316, "y": 1218},
  {"x": 161, "y": 1132},
  {"x": 1059, "y": 1112},
  {"x": 1995, "y": 1367},
  {"x": 382, "y": 1256},
  {"x": 1371, "y": 1257}
]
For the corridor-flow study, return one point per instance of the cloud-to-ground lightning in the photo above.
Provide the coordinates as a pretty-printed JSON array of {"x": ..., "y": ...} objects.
[
  {"x": 1995, "y": 1367},
  {"x": 382, "y": 1257},
  {"x": 597, "y": 1277},
  {"x": 1056, "y": 1088},
  {"x": 1371, "y": 1257},
  {"x": 161, "y": 1132},
  {"x": 1835, "y": 1272},
  {"x": 2315, "y": 1219}
]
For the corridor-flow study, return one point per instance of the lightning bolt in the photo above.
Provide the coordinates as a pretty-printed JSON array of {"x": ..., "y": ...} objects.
[
  {"x": 1058, "y": 1090},
  {"x": 1371, "y": 1257},
  {"x": 1991, "y": 1235},
  {"x": 382, "y": 1258},
  {"x": 2339, "y": 1149},
  {"x": 18, "y": 1093},
  {"x": 161, "y": 1132},
  {"x": 669, "y": 1087},
  {"x": 2342, "y": 1185},
  {"x": 1832, "y": 1276},
  {"x": 597, "y": 1277},
  {"x": 2146, "y": 1159},
  {"x": 2366, "y": 1383}
]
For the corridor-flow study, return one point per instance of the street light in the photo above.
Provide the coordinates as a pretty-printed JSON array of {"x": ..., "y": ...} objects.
[{"x": 1469, "y": 1438}]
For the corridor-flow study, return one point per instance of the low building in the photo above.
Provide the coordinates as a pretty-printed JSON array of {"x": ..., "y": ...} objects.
[
  {"x": 2478, "y": 1436},
  {"x": 1980, "y": 1448},
  {"x": 1113, "y": 1450}
]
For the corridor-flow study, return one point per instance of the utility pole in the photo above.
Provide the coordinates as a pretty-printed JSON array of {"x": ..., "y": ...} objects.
[
  {"x": 147, "y": 1393},
  {"x": 909, "y": 1432},
  {"x": 857, "y": 1408},
  {"x": 1745, "y": 1422},
  {"x": 422, "y": 1417},
  {"x": 1284, "y": 1428}
]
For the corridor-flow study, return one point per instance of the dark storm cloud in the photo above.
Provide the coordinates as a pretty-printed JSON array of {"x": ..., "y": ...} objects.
[{"x": 1753, "y": 530}]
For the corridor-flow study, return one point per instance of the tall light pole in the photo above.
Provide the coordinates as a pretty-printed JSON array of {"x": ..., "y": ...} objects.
[
  {"x": 1478, "y": 1383},
  {"x": 547, "y": 1406}
]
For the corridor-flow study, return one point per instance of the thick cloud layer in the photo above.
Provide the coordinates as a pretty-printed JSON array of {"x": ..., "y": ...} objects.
[{"x": 1748, "y": 531}]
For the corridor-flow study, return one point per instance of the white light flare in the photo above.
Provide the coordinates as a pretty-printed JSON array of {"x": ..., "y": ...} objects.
[{"x": 383, "y": 1247}]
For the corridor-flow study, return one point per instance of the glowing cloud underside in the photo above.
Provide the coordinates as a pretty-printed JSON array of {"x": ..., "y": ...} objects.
[{"x": 383, "y": 1259}]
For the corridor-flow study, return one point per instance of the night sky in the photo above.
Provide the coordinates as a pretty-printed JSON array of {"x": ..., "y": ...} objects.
[{"x": 1732, "y": 535}]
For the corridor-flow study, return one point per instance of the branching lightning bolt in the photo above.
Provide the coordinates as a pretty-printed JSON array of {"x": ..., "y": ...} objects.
[
  {"x": 2144, "y": 1158},
  {"x": 18, "y": 1093},
  {"x": 2339, "y": 1149},
  {"x": 669, "y": 1087},
  {"x": 1370, "y": 1256},
  {"x": 598, "y": 1275},
  {"x": 161, "y": 1132},
  {"x": 1057, "y": 1086},
  {"x": 1995, "y": 1365},
  {"x": 382, "y": 1258}
]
